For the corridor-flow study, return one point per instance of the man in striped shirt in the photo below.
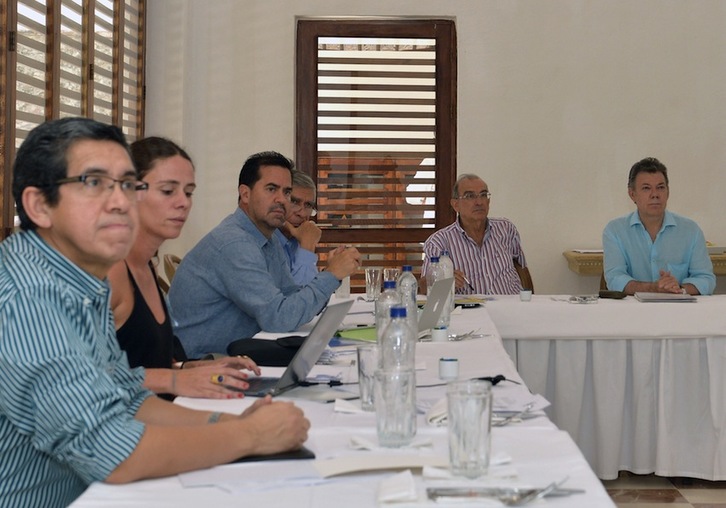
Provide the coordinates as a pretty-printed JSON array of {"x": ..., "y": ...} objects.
[
  {"x": 483, "y": 249},
  {"x": 71, "y": 410}
]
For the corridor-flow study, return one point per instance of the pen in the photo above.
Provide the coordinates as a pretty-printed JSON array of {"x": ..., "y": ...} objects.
[{"x": 469, "y": 283}]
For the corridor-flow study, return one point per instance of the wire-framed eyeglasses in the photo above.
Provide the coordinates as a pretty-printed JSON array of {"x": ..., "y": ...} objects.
[
  {"x": 471, "y": 196},
  {"x": 299, "y": 204},
  {"x": 97, "y": 185}
]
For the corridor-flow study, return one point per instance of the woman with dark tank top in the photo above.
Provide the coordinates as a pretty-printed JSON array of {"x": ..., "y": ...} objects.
[{"x": 143, "y": 324}]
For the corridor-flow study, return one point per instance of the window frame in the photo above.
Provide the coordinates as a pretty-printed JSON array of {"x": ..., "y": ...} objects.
[
  {"x": 52, "y": 92},
  {"x": 444, "y": 32}
]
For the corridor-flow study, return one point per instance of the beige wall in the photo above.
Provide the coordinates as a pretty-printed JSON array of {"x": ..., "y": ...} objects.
[{"x": 557, "y": 99}]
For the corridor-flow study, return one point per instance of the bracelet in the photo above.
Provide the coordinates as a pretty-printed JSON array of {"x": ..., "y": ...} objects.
[{"x": 214, "y": 417}]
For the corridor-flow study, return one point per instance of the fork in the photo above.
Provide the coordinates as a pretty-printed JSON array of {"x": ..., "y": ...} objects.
[
  {"x": 508, "y": 419},
  {"x": 533, "y": 495},
  {"x": 463, "y": 336}
]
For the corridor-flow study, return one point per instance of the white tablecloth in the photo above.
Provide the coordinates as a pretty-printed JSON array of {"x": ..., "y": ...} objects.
[
  {"x": 639, "y": 386},
  {"x": 540, "y": 452}
]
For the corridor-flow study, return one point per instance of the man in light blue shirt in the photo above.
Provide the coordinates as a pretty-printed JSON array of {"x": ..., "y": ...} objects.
[
  {"x": 299, "y": 235},
  {"x": 651, "y": 249},
  {"x": 236, "y": 281},
  {"x": 71, "y": 410}
]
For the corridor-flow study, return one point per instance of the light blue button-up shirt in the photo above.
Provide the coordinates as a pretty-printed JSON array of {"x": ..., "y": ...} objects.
[
  {"x": 67, "y": 396},
  {"x": 680, "y": 248},
  {"x": 303, "y": 263},
  {"x": 236, "y": 282}
]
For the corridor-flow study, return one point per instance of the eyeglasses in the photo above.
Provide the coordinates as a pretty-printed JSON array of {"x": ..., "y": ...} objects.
[
  {"x": 471, "y": 196},
  {"x": 95, "y": 186},
  {"x": 299, "y": 204}
]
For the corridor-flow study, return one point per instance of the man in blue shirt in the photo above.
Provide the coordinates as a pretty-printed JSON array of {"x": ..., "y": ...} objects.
[
  {"x": 236, "y": 280},
  {"x": 299, "y": 235},
  {"x": 71, "y": 410},
  {"x": 651, "y": 249}
]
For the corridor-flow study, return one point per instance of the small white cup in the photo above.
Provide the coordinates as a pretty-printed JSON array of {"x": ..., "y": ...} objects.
[
  {"x": 439, "y": 335},
  {"x": 525, "y": 295},
  {"x": 448, "y": 368}
]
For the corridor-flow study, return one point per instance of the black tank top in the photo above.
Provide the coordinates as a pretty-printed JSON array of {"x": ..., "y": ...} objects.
[{"x": 148, "y": 343}]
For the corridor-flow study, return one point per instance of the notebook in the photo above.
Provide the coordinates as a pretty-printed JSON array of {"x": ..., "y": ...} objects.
[
  {"x": 435, "y": 303},
  {"x": 664, "y": 297},
  {"x": 305, "y": 358}
]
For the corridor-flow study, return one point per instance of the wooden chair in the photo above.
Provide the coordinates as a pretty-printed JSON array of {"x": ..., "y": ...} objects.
[
  {"x": 163, "y": 284},
  {"x": 170, "y": 263},
  {"x": 524, "y": 275}
]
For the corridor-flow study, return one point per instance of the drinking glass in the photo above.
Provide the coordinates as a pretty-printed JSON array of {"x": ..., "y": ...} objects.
[
  {"x": 395, "y": 402},
  {"x": 373, "y": 284},
  {"x": 367, "y": 366},
  {"x": 469, "y": 420}
]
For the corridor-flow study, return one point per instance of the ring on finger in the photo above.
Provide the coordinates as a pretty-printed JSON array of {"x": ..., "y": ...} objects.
[{"x": 217, "y": 379}]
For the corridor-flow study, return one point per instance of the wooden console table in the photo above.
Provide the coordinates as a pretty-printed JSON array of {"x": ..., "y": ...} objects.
[{"x": 590, "y": 263}]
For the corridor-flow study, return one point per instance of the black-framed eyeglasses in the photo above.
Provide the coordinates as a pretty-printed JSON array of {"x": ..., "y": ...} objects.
[
  {"x": 299, "y": 204},
  {"x": 96, "y": 185},
  {"x": 471, "y": 196}
]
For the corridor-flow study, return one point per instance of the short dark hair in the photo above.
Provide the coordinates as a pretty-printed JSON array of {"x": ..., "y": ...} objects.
[
  {"x": 647, "y": 165},
  {"x": 147, "y": 151},
  {"x": 42, "y": 158},
  {"x": 250, "y": 172}
]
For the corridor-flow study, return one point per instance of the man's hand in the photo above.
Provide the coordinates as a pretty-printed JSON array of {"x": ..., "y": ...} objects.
[
  {"x": 307, "y": 234},
  {"x": 343, "y": 261},
  {"x": 667, "y": 283},
  {"x": 277, "y": 426}
]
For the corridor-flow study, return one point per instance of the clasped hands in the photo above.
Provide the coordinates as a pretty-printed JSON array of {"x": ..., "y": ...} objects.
[{"x": 667, "y": 283}]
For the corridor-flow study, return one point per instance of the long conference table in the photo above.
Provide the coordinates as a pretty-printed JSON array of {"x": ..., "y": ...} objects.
[
  {"x": 531, "y": 452},
  {"x": 639, "y": 386}
]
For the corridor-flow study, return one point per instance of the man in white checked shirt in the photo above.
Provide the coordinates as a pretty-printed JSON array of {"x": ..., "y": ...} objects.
[{"x": 483, "y": 249}]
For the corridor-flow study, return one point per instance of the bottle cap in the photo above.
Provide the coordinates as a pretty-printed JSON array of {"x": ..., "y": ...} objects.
[
  {"x": 389, "y": 284},
  {"x": 407, "y": 268},
  {"x": 434, "y": 259}
]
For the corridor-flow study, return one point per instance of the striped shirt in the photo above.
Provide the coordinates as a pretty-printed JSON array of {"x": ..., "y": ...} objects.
[
  {"x": 489, "y": 268},
  {"x": 67, "y": 395}
]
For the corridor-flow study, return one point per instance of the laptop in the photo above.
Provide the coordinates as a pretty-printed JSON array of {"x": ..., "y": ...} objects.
[
  {"x": 435, "y": 304},
  {"x": 305, "y": 358}
]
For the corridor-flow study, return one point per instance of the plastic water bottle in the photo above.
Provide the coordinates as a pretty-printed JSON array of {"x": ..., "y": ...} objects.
[
  {"x": 408, "y": 289},
  {"x": 398, "y": 342},
  {"x": 395, "y": 394},
  {"x": 435, "y": 273},
  {"x": 387, "y": 299},
  {"x": 448, "y": 266}
]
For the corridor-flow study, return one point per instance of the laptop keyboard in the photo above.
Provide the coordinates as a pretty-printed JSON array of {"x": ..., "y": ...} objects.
[{"x": 258, "y": 384}]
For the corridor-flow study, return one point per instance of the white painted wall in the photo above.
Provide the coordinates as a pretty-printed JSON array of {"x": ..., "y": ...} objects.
[{"x": 557, "y": 99}]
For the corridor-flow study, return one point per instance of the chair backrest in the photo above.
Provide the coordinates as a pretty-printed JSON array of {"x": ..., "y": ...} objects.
[
  {"x": 170, "y": 263},
  {"x": 163, "y": 284},
  {"x": 524, "y": 275}
]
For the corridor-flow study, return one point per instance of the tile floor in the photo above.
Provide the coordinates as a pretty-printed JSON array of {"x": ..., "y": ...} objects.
[{"x": 649, "y": 491}]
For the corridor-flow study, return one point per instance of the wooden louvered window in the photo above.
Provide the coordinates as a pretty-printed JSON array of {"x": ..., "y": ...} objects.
[
  {"x": 65, "y": 58},
  {"x": 376, "y": 128}
]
